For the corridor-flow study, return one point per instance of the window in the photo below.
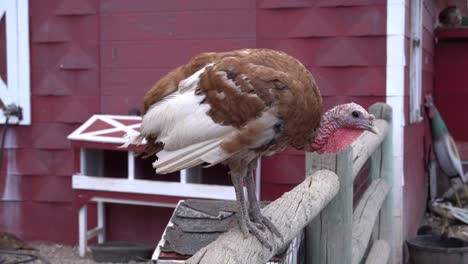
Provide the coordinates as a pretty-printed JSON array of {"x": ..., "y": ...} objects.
[
  {"x": 15, "y": 86},
  {"x": 415, "y": 69}
]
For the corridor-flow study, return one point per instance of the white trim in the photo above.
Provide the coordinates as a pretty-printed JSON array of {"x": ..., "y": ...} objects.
[
  {"x": 258, "y": 178},
  {"x": 17, "y": 90},
  {"x": 107, "y": 131},
  {"x": 3, "y": 8},
  {"x": 395, "y": 90},
  {"x": 82, "y": 230},
  {"x": 177, "y": 189},
  {"x": 162, "y": 241},
  {"x": 24, "y": 79},
  {"x": 131, "y": 165},
  {"x": 83, "y": 164},
  {"x": 8, "y": 96},
  {"x": 415, "y": 67},
  {"x": 116, "y": 124},
  {"x": 99, "y": 199},
  {"x": 94, "y": 136},
  {"x": 100, "y": 230},
  {"x": 183, "y": 176},
  {"x": 101, "y": 221},
  {"x": 83, "y": 127}
]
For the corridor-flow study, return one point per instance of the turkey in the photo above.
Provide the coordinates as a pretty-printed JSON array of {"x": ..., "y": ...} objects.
[{"x": 234, "y": 107}]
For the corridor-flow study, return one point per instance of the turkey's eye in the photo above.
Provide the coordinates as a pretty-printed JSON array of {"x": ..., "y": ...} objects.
[{"x": 356, "y": 114}]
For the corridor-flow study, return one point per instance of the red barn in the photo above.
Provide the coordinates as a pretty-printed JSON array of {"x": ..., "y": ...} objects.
[{"x": 63, "y": 61}]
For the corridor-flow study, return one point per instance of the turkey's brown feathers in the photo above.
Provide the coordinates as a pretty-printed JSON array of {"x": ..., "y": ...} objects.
[{"x": 243, "y": 84}]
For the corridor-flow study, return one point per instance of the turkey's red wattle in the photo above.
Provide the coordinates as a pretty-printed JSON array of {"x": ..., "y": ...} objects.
[{"x": 339, "y": 140}]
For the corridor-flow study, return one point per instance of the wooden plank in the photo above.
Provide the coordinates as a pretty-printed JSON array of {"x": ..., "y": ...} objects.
[
  {"x": 366, "y": 144},
  {"x": 390, "y": 225},
  {"x": 348, "y": 52},
  {"x": 164, "y": 54},
  {"x": 290, "y": 214},
  {"x": 82, "y": 230},
  {"x": 144, "y": 6},
  {"x": 283, "y": 25},
  {"x": 208, "y": 191},
  {"x": 332, "y": 80},
  {"x": 379, "y": 253},
  {"x": 94, "y": 232},
  {"x": 364, "y": 217},
  {"x": 179, "y": 25},
  {"x": 328, "y": 237}
]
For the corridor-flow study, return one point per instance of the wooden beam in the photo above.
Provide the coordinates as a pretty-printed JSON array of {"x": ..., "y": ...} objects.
[
  {"x": 290, "y": 213},
  {"x": 94, "y": 232},
  {"x": 379, "y": 253},
  {"x": 390, "y": 220},
  {"x": 364, "y": 217},
  {"x": 366, "y": 144},
  {"x": 328, "y": 237}
]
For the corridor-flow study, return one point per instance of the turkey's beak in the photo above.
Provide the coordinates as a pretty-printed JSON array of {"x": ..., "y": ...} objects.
[{"x": 371, "y": 128}]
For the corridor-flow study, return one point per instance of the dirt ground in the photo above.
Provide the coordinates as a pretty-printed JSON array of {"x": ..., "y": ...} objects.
[{"x": 53, "y": 254}]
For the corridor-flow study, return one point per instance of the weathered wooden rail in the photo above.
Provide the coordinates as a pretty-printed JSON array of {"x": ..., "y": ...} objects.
[
  {"x": 323, "y": 204},
  {"x": 340, "y": 234}
]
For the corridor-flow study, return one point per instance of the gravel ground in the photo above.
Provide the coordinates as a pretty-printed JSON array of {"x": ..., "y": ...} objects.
[{"x": 53, "y": 254}]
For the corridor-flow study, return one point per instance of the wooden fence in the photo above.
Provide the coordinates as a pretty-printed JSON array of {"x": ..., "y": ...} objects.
[
  {"x": 340, "y": 234},
  {"x": 323, "y": 204}
]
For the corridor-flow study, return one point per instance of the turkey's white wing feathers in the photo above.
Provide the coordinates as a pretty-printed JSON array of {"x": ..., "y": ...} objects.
[
  {"x": 173, "y": 161},
  {"x": 166, "y": 158},
  {"x": 215, "y": 156}
]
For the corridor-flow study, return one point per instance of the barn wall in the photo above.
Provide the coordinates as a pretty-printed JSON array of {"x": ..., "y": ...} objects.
[
  {"x": 342, "y": 43},
  {"x": 99, "y": 56},
  {"x": 141, "y": 41},
  {"x": 417, "y": 136},
  {"x": 35, "y": 184}
]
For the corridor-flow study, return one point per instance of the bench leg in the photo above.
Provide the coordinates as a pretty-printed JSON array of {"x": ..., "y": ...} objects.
[
  {"x": 101, "y": 223},
  {"x": 82, "y": 230}
]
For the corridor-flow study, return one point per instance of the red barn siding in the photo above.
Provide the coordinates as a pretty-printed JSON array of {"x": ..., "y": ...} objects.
[
  {"x": 417, "y": 136},
  {"x": 451, "y": 92},
  {"x": 141, "y": 223},
  {"x": 342, "y": 43},
  {"x": 3, "y": 58},
  {"x": 36, "y": 195},
  {"x": 101, "y": 56},
  {"x": 159, "y": 36}
]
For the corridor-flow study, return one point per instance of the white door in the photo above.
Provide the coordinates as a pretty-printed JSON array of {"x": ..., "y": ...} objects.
[{"x": 15, "y": 90}]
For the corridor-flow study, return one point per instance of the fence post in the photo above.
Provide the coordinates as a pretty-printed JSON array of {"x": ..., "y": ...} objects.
[
  {"x": 328, "y": 236},
  {"x": 382, "y": 167}
]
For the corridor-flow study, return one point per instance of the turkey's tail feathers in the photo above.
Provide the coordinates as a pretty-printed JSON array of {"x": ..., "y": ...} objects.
[
  {"x": 132, "y": 137},
  {"x": 190, "y": 156}
]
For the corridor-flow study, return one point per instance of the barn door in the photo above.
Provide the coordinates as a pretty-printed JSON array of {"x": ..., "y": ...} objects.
[{"x": 14, "y": 58}]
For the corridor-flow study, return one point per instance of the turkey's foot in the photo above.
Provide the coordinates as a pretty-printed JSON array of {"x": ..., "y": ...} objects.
[
  {"x": 246, "y": 226},
  {"x": 259, "y": 219}
]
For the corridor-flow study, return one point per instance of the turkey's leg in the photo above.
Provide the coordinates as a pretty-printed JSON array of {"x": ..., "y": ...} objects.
[
  {"x": 245, "y": 224},
  {"x": 254, "y": 205}
]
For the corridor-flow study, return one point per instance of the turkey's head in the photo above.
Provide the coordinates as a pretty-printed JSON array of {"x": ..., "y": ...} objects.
[{"x": 340, "y": 126}]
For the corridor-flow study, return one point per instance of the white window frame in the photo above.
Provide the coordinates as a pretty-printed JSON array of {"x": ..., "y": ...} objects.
[
  {"x": 17, "y": 90},
  {"x": 415, "y": 69}
]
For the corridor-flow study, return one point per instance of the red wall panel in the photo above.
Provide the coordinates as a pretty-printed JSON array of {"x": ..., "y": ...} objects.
[
  {"x": 101, "y": 56},
  {"x": 179, "y": 25},
  {"x": 136, "y": 223},
  {"x": 344, "y": 49},
  {"x": 321, "y": 22},
  {"x": 141, "y": 6},
  {"x": 450, "y": 91}
]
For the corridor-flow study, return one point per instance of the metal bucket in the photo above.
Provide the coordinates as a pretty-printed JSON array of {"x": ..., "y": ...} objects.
[
  {"x": 121, "y": 251},
  {"x": 431, "y": 249}
]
